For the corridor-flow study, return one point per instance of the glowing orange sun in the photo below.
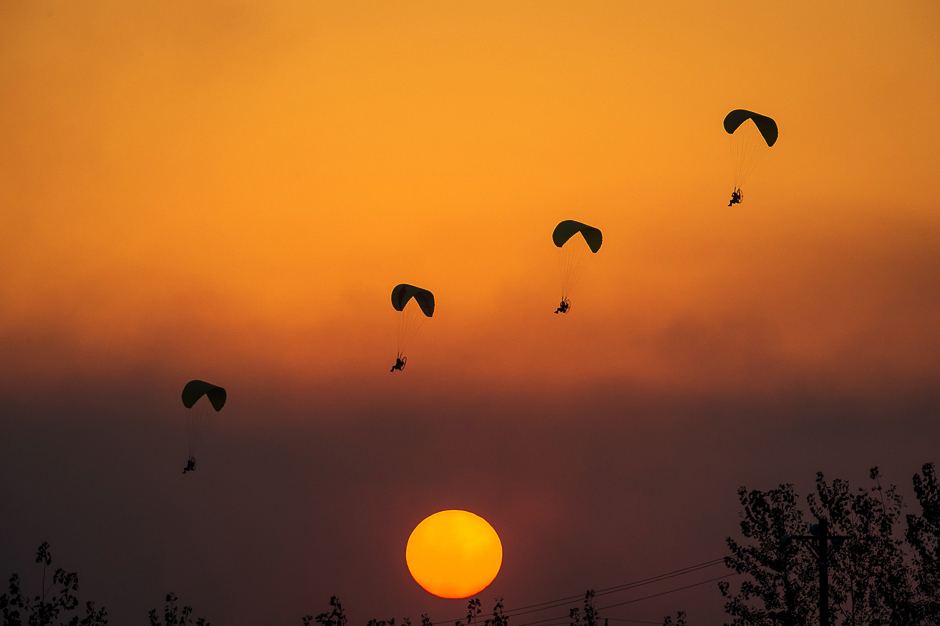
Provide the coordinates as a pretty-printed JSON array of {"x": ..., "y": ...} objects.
[{"x": 454, "y": 554}]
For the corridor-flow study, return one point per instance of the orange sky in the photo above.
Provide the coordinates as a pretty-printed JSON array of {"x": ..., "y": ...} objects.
[
  {"x": 230, "y": 189},
  {"x": 233, "y": 188}
]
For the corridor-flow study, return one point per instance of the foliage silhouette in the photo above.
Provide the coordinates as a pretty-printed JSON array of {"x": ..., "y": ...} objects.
[
  {"x": 335, "y": 617},
  {"x": 879, "y": 576},
  {"x": 680, "y": 620},
  {"x": 174, "y": 616},
  {"x": 923, "y": 535},
  {"x": 589, "y": 615},
  {"x": 473, "y": 609},
  {"x": 54, "y": 603},
  {"x": 498, "y": 618},
  {"x": 381, "y": 622}
]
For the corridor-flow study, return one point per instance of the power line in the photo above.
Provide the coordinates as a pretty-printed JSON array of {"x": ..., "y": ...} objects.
[
  {"x": 624, "y": 587},
  {"x": 566, "y": 621},
  {"x": 686, "y": 570},
  {"x": 551, "y": 604},
  {"x": 656, "y": 595},
  {"x": 545, "y": 621}
]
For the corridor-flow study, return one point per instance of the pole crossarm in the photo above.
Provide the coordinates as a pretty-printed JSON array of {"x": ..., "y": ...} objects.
[{"x": 820, "y": 535}]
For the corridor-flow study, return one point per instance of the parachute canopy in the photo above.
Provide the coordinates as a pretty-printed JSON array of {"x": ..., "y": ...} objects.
[
  {"x": 196, "y": 389},
  {"x": 401, "y": 294},
  {"x": 766, "y": 126},
  {"x": 568, "y": 228}
]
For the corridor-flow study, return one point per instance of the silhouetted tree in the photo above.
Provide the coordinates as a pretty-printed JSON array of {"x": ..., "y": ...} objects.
[
  {"x": 870, "y": 575},
  {"x": 498, "y": 618},
  {"x": 337, "y": 617},
  {"x": 473, "y": 609},
  {"x": 680, "y": 620},
  {"x": 406, "y": 621},
  {"x": 334, "y": 617},
  {"x": 53, "y": 605},
  {"x": 923, "y": 534},
  {"x": 589, "y": 615},
  {"x": 174, "y": 616}
]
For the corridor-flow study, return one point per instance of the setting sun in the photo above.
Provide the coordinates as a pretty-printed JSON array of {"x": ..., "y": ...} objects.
[
  {"x": 286, "y": 282},
  {"x": 454, "y": 554}
]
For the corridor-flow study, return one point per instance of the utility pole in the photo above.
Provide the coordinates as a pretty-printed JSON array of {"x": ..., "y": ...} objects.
[{"x": 819, "y": 533}]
